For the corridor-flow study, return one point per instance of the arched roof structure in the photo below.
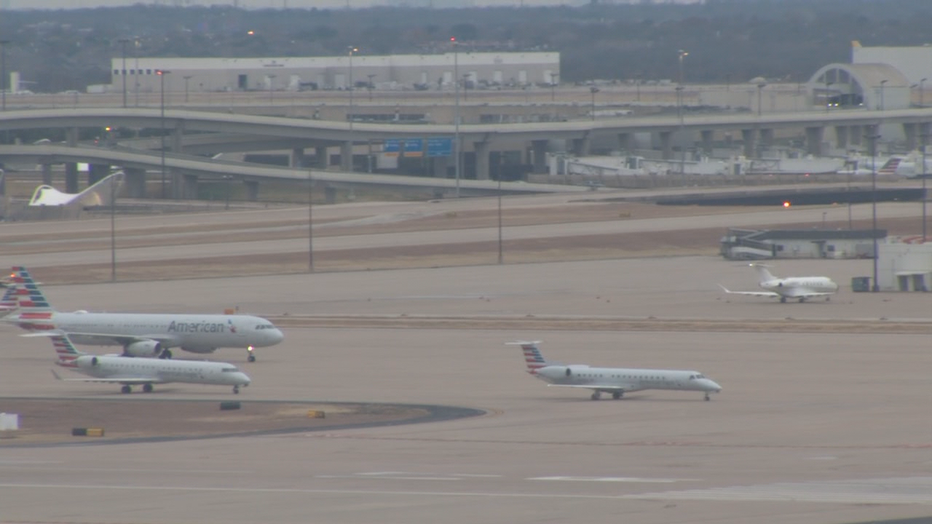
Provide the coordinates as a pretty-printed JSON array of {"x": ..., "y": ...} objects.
[{"x": 880, "y": 85}]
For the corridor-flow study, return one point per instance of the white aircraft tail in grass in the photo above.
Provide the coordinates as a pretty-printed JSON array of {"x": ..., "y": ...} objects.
[
  {"x": 615, "y": 381},
  {"x": 797, "y": 288},
  {"x": 99, "y": 194}
]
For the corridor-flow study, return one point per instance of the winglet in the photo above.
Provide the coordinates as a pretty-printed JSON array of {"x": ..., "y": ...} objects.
[
  {"x": 725, "y": 289},
  {"x": 56, "y": 375}
]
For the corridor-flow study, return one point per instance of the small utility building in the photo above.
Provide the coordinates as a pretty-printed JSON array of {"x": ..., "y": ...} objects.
[{"x": 750, "y": 244}]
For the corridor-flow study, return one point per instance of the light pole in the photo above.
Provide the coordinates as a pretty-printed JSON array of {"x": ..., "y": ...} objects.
[
  {"x": 123, "y": 42},
  {"x": 679, "y": 111},
  {"x": 501, "y": 253},
  {"x": 271, "y": 89},
  {"x": 925, "y": 140},
  {"x": 310, "y": 221},
  {"x": 681, "y": 55},
  {"x": 554, "y": 77},
  {"x": 873, "y": 141},
  {"x": 136, "y": 72},
  {"x": 456, "y": 117},
  {"x": 3, "y": 44},
  {"x": 882, "y": 83},
  {"x": 592, "y": 91},
  {"x": 162, "y": 74},
  {"x": 350, "y": 86},
  {"x": 921, "y": 82},
  {"x": 113, "y": 192},
  {"x": 760, "y": 91},
  {"x": 369, "y": 85},
  {"x": 186, "y": 78},
  {"x": 226, "y": 183}
]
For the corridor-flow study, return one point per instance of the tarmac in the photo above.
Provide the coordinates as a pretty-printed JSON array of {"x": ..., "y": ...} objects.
[{"x": 826, "y": 424}]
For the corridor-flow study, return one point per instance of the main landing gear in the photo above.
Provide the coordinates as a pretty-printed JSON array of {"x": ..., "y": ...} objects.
[
  {"x": 707, "y": 397},
  {"x": 127, "y": 389},
  {"x": 251, "y": 357},
  {"x": 166, "y": 353},
  {"x": 596, "y": 395},
  {"x": 236, "y": 390}
]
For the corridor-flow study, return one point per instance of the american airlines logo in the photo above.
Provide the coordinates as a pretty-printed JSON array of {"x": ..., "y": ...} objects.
[{"x": 197, "y": 327}]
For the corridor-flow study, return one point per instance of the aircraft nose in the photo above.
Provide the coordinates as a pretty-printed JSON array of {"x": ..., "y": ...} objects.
[
  {"x": 715, "y": 386},
  {"x": 277, "y": 336},
  {"x": 246, "y": 380}
]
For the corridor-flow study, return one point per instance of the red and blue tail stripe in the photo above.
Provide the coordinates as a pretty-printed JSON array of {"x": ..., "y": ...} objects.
[
  {"x": 532, "y": 356},
  {"x": 27, "y": 292},
  {"x": 67, "y": 354}
]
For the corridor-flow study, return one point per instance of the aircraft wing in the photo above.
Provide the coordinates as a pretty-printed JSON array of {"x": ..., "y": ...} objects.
[
  {"x": 596, "y": 387},
  {"x": 126, "y": 380},
  {"x": 802, "y": 293},
  {"x": 768, "y": 294},
  {"x": 103, "y": 338}
]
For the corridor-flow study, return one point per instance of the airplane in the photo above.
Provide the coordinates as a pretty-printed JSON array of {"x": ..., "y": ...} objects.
[
  {"x": 140, "y": 334},
  {"x": 96, "y": 195},
  {"x": 616, "y": 381},
  {"x": 129, "y": 372},
  {"x": 912, "y": 166},
  {"x": 864, "y": 166},
  {"x": 801, "y": 288}
]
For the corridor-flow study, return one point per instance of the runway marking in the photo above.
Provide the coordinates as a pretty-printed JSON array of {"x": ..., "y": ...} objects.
[
  {"x": 254, "y": 490},
  {"x": 615, "y": 479},
  {"x": 406, "y": 475},
  {"x": 910, "y": 490},
  {"x": 383, "y": 477}
]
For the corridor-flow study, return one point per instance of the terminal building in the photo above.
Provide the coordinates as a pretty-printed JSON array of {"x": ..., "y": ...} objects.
[{"x": 391, "y": 72}]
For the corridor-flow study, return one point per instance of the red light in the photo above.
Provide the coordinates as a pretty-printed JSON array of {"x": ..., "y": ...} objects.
[
  {"x": 453, "y": 39},
  {"x": 786, "y": 204}
]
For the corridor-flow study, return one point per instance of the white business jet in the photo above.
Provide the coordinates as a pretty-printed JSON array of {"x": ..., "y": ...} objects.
[
  {"x": 616, "y": 381},
  {"x": 140, "y": 334},
  {"x": 145, "y": 372},
  {"x": 799, "y": 288}
]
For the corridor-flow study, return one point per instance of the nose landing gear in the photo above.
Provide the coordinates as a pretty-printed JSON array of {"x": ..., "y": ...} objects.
[{"x": 251, "y": 357}]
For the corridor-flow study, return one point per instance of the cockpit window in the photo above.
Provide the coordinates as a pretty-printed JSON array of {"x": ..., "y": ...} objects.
[{"x": 229, "y": 370}]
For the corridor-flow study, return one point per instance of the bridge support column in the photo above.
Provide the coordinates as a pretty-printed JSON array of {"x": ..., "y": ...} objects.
[
  {"x": 539, "y": 156},
  {"x": 841, "y": 137},
  {"x": 187, "y": 185},
  {"x": 71, "y": 177},
  {"x": 581, "y": 146},
  {"x": 320, "y": 157},
  {"x": 750, "y": 142},
  {"x": 440, "y": 165},
  {"x": 666, "y": 144},
  {"x": 766, "y": 137},
  {"x": 47, "y": 174},
  {"x": 626, "y": 143},
  {"x": 177, "y": 138},
  {"x": 482, "y": 159},
  {"x": 346, "y": 156},
  {"x": 252, "y": 190},
  {"x": 135, "y": 182},
  {"x": 855, "y": 134},
  {"x": 706, "y": 136},
  {"x": 96, "y": 173},
  {"x": 814, "y": 140},
  {"x": 297, "y": 157},
  {"x": 912, "y": 136}
]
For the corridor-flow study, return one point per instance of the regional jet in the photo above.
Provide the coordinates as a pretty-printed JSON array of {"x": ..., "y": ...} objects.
[
  {"x": 145, "y": 372},
  {"x": 616, "y": 381},
  {"x": 98, "y": 194},
  {"x": 140, "y": 334},
  {"x": 799, "y": 288}
]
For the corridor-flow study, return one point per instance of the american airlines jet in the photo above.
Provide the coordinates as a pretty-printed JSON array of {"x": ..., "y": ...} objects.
[
  {"x": 140, "y": 334},
  {"x": 799, "y": 288},
  {"x": 616, "y": 381},
  {"x": 145, "y": 372}
]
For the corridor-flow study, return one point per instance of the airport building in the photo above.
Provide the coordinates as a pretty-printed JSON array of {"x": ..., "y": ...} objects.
[{"x": 392, "y": 72}]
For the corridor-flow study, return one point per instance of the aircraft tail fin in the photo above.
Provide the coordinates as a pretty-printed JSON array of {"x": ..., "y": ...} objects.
[
  {"x": 532, "y": 355},
  {"x": 763, "y": 274},
  {"x": 8, "y": 303},
  {"x": 889, "y": 166},
  {"x": 66, "y": 351},
  {"x": 28, "y": 296}
]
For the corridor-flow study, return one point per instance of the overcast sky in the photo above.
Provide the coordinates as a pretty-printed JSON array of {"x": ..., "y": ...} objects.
[{"x": 265, "y": 4}]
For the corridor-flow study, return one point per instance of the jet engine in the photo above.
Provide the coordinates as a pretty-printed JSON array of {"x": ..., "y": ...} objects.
[{"x": 143, "y": 348}]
